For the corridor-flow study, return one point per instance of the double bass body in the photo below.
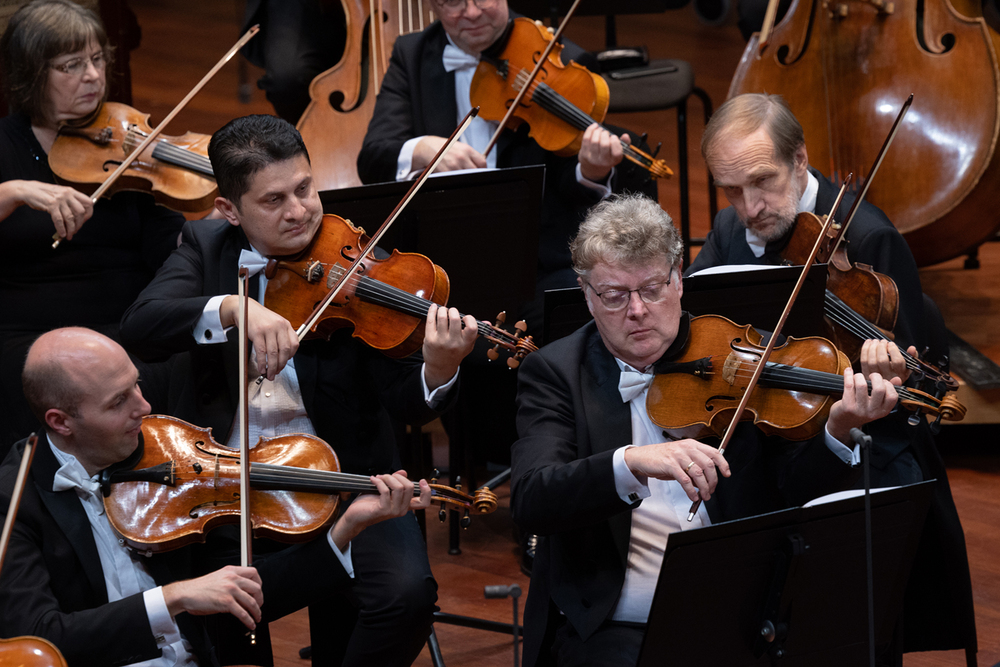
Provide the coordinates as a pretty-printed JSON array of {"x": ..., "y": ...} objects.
[{"x": 846, "y": 68}]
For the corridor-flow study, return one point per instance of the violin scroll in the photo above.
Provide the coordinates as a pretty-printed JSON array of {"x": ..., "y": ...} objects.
[{"x": 518, "y": 344}]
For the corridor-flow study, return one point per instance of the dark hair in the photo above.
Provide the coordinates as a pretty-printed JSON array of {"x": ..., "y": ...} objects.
[
  {"x": 37, "y": 33},
  {"x": 246, "y": 145}
]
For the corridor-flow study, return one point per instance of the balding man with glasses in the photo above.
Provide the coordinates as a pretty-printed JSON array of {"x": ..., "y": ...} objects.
[{"x": 593, "y": 475}]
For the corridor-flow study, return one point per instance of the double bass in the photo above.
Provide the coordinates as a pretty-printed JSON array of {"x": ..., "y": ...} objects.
[
  {"x": 845, "y": 67},
  {"x": 333, "y": 126}
]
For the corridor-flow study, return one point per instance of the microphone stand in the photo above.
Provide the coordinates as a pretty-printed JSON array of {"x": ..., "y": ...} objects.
[{"x": 864, "y": 441}]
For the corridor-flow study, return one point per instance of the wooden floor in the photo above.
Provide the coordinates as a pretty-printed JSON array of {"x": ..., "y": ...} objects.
[{"x": 182, "y": 39}]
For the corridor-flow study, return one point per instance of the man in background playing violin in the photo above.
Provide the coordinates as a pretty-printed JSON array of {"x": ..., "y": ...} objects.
[
  {"x": 591, "y": 472},
  {"x": 755, "y": 148},
  {"x": 424, "y": 95},
  {"x": 341, "y": 390},
  {"x": 66, "y": 577}
]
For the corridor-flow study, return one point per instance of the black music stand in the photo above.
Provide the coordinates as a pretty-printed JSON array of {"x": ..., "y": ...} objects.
[
  {"x": 798, "y": 575},
  {"x": 746, "y": 297},
  {"x": 481, "y": 227}
]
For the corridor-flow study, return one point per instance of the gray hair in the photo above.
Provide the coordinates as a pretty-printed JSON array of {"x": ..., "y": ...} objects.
[
  {"x": 745, "y": 114},
  {"x": 625, "y": 230}
]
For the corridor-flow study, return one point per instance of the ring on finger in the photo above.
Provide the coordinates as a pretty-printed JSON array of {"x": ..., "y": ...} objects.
[{"x": 688, "y": 468}]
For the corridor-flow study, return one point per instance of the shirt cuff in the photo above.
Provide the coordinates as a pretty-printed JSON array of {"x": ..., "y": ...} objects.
[
  {"x": 600, "y": 188},
  {"x": 164, "y": 628},
  {"x": 344, "y": 557},
  {"x": 434, "y": 398},
  {"x": 851, "y": 457},
  {"x": 208, "y": 329},
  {"x": 629, "y": 487},
  {"x": 404, "y": 163}
]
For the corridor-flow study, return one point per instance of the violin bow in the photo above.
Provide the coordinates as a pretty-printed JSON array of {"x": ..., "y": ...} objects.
[
  {"x": 731, "y": 430},
  {"x": 765, "y": 30},
  {"x": 246, "y": 529},
  {"x": 352, "y": 269},
  {"x": 151, "y": 137},
  {"x": 531, "y": 78},
  {"x": 875, "y": 167},
  {"x": 15, "y": 499}
]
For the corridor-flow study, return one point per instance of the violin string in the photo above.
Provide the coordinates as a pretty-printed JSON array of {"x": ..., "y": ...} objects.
[
  {"x": 169, "y": 152},
  {"x": 410, "y": 304},
  {"x": 552, "y": 101}
]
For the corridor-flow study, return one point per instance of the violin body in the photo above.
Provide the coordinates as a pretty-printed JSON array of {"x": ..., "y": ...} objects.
[
  {"x": 493, "y": 90},
  {"x": 153, "y": 516},
  {"x": 173, "y": 169},
  {"x": 698, "y": 396},
  {"x": 30, "y": 652},
  {"x": 296, "y": 286},
  {"x": 845, "y": 69}
]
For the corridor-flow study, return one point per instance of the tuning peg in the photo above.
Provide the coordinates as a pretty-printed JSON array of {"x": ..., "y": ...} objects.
[
  {"x": 434, "y": 475},
  {"x": 519, "y": 330},
  {"x": 659, "y": 145},
  {"x": 494, "y": 352},
  {"x": 442, "y": 514},
  {"x": 458, "y": 482},
  {"x": 465, "y": 521}
]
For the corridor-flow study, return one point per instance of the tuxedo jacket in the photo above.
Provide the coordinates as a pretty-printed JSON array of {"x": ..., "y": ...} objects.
[
  {"x": 871, "y": 239},
  {"x": 349, "y": 390},
  {"x": 570, "y": 421},
  {"x": 52, "y": 584},
  {"x": 417, "y": 98}
]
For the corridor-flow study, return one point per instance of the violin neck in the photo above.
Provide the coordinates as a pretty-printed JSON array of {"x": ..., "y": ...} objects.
[
  {"x": 388, "y": 296},
  {"x": 793, "y": 378},
  {"x": 288, "y": 478}
]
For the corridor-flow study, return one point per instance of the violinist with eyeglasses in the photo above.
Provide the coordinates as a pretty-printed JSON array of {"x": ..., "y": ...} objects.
[
  {"x": 68, "y": 579},
  {"x": 55, "y": 59},
  {"x": 593, "y": 475}
]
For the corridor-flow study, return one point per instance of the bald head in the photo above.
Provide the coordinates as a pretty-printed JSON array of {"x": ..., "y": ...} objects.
[{"x": 59, "y": 363}]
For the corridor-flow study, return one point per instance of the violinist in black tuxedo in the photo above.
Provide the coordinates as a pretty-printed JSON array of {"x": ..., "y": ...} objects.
[
  {"x": 341, "y": 390},
  {"x": 66, "y": 577},
  {"x": 425, "y": 93},
  {"x": 592, "y": 474}
]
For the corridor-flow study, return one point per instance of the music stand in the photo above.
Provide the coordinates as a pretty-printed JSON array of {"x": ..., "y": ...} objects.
[
  {"x": 481, "y": 227},
  {"x": 802, "y": 570},
  {"x": 746, "y": 297}
]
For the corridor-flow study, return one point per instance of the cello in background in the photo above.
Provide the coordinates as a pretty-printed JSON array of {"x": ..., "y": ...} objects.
[
  {"x": 846, "y": 67},
  {"x": 343, "y": 97}
]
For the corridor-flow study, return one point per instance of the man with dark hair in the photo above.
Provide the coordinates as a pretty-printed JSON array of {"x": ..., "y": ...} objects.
[
  {"x": 592, "y": 473},
  {"x": 341, "y": 390},
  {"x": 68, "y": 579}
]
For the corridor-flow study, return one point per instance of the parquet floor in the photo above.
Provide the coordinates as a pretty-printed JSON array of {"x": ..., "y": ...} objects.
[{"x": 182, "y": 39}]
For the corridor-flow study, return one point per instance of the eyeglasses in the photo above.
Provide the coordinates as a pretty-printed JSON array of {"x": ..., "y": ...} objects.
[
  {"x": 614, "y": 299},
  {"x": 456, "y": 7},
  {"x": 78, "y": 66}
]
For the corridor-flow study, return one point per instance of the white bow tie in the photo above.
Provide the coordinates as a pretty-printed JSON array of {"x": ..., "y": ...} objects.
[
  {"x": 253, "y": 261},
  {"x": 455, "y": 58},
  {"x": 73, "y": 476},
  {"x": 631, "y": 384}
]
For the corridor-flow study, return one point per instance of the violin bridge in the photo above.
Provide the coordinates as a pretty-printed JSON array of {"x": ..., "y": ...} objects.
[{"x": 730, "y": 368}]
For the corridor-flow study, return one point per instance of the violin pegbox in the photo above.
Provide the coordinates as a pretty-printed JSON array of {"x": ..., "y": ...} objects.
[{"x": 517, "y": 343}]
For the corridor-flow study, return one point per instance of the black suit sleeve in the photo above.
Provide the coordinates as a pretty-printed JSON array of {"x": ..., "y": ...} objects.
[
  {"x": 555, "y": 486},
  {"x": 161, "y": 321}
]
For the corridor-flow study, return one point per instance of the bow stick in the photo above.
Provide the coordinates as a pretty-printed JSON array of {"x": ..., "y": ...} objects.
[
  {"x": 774, "y": 335},
  {"x": 131, "y": 157},
  {"x": 15, "y": 502},
  {"x": 246, "y": 534}
]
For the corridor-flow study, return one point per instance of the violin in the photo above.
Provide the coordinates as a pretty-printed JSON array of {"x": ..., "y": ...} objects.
[
  {"x": 176, "y": 170},
  {"x": 180, "y": 483},
  {"x": 385, "y": 304},
  {"x": 24, "y": 651},
  {"x": 860, "y": 303},
  {"x": 560, "y": 103},
  {"x": 696, "y": 394}
]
